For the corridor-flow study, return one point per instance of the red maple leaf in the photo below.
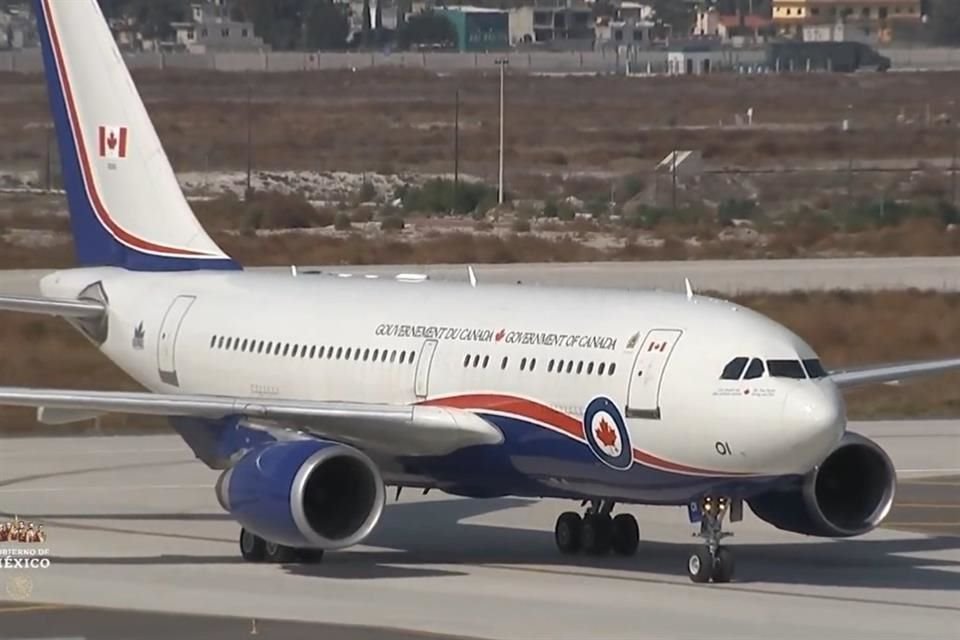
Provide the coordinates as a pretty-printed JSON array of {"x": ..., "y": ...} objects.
[
  {"x": 112, "y": 140},
  {"x": 500, "y": 335},
  {"x": 605, "y": 434}
]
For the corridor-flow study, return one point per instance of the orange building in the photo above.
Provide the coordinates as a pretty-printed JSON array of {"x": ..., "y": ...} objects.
[{"x": 879, "y": 16}]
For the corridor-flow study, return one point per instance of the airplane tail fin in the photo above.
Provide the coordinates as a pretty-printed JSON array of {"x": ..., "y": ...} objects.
[{"x": 126, "y": 207}]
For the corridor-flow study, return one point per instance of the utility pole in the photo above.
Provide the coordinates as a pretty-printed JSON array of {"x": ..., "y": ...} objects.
[
  {"x": 456, "y": 147},
  {"x": 48, "y": 173},
  {"x": 673, "y": 160},
  {"x": 247, "y": 193},
  {"x": 953, "y": 164},
  {"x": 502, "y": 63},
  {"x": 848, "y": 128}
]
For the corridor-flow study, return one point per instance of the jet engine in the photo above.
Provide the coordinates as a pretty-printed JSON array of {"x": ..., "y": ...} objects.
[
  {"x": 848, "y": 494},
  {"x": 304, "y": 494}
]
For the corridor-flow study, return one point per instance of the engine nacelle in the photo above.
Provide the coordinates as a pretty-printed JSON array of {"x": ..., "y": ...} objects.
[
  {"x": 305, "y": 493},
  {"x": 848, "y": 494}
]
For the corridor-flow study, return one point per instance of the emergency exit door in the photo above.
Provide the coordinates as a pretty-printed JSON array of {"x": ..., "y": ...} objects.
[
  {"x": 643, "y": 393},
  {"x": 422, "y": 381}
]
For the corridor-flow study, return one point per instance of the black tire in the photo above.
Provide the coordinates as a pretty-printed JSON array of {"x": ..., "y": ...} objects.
[
  {"x": 700, "y": 566},
  {"x": 626, "y": 535},
  {"x": 723, "y": 566},
  {"x": 568, "y": 532},
  {"x": 252, "y": 546},
  {"x": 279, "y": 554},
  {"x": 310, "y": 556},
  {"x": 597, "y": 534}
]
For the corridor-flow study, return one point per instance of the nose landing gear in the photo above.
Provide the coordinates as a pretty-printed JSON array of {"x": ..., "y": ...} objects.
[
  {"x": 596, "y": 532},
  {"x": 712, "y": 562}
]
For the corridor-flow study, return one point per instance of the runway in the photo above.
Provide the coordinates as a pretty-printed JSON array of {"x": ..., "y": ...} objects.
[
  {"x": 133, "y": 525},
  {"x": 728, "y": 277}
]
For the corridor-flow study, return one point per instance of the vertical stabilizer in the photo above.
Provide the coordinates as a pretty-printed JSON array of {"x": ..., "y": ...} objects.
[{"x": 126, "y": 207}]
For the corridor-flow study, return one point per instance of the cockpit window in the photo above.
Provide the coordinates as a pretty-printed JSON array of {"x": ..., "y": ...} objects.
[
  {"x": 786, "y": 369},
  {"x": 814, "y": 369},
  {"x": 734, "y": 369},
  {"x": 755, "y": 370}
]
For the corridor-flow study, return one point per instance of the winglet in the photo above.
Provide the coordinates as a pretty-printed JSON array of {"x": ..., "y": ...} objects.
[
  {"x": 473, "y": 276},
  {"x": 686, "y": 282}
]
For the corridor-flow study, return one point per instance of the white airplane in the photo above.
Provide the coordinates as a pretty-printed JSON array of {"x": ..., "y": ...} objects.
[{"x": 314, "y": 393}]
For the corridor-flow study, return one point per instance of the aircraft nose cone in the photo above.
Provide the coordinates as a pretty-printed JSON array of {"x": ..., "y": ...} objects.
[{"x": 815, "y": 416}]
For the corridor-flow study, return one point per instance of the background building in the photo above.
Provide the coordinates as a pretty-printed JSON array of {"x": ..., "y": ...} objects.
[
  {"x": 551, "y": 21},
  {"x": 211, "y": 29},
  {"x": 875, "y": 18},
  {"x": 479, "y": 29}
]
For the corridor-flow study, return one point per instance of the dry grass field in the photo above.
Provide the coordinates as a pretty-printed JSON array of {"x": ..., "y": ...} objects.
[
  {"x": 847, "y": 329},
  {"x": 402, "y": 121}
]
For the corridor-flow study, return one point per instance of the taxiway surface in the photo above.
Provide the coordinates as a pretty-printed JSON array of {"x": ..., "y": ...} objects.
[
  {"x": 133, "y": 525},
  {"x": 726, "y": 277}
]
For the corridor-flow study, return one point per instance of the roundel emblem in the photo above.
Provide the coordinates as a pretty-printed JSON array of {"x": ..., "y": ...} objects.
[{"x": 607, "y": 435}]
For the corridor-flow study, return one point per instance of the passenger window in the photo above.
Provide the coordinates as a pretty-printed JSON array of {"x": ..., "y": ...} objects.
[
  {"x": 213, "y": 341},
  {"x": 486, "y": 361},
  {"x": 786, "y": 369},
  {"x": 413, "y": 356},
  {"x": 570, "y": 367},
  {"x": 533, "y": 364},
  {"x": 339, "y": 352},
  {"x": 523, "y": 364},
  {"x": 393, "y": 356},
  {"x": 503, "y": 365},
  {"x": 466, "y": 361},
  {"x": 755, "y": 370},
  {"x": 589, "y": 368},
  {"x": 814, "y": 369},
  {"x": 403, "y": 356},
  {"x": 383, "y": 355},
  {"x": 550, "y": 367},
  {"x": 560, "y": 367},
  {"x": 260, "y": 347},
  {"x": 580, "y": 367},
  {"x": 356, "y": 354},
  {"x": 346, "y": 356},
  {"x": 476, "y": 361},
  {"x": 613, "y": 368},
  {"x": 320, "y": 351},
  {"x": 734, "y": 369},
  {"x": 600, "y": 368}
]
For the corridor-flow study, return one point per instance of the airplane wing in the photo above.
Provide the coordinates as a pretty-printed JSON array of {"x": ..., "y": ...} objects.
[
  {"x": 78, "y": 309},
  {"x": 892, "y": 373},
  {"x": 397, "y": 429}
]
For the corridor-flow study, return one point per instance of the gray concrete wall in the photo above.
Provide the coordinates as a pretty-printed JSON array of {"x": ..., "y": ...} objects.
[{"x": 604, "y": 61}]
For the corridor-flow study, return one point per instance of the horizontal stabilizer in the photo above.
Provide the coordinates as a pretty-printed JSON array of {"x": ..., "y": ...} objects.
[
  {"x": 397, "y": 429},
  {"x": 78, "y": 309},
  {"x": 892, "y": 372}
]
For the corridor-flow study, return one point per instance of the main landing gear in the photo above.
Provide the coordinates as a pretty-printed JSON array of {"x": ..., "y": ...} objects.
[
  {"x": 712, "y": 562},
  {"x": 597, "y": 533},
  {"x": 253, "y": 548}
]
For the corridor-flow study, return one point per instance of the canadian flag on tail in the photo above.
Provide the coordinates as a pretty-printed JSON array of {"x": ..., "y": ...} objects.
[{"x": 113, "y": 142}]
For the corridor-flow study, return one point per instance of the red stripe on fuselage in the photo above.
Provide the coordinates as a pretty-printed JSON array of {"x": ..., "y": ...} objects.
[
  {"x": 116, "y": 230},
  {"x": 539, "y": 413}
]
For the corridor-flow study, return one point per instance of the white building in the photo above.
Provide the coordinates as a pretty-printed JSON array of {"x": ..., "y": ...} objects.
[
  {"x": 551, "y": 21},
  {"x": 629, "y": 34},
  {"x": 839, "y": 32},
  {"x": 17, "y": 27},
  {"x": 211, "y": 29}
]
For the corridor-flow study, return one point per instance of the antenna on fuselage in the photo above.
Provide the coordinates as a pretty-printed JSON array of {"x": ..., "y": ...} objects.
[
  {"x": 473, "y": 276},
  {"x": 293, "y": 270},
  {"x": 686, "y": 282}
]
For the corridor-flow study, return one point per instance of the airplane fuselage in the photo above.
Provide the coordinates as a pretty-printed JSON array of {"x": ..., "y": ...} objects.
[{"x": 596, "y": 393}]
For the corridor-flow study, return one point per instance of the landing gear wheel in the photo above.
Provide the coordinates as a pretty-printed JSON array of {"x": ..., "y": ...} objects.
[
  {"x": 723, "y": 565},
  {"x": 252, "y": 546},
  {"x": 279, "y": 554},
  {"x": 700, "y": 566},
  {"x": 568, "y": 532},
  {"x": 597, "y": 534},
  {"x": 626, "y": 535},
  {"x": 310, "y": 556}
]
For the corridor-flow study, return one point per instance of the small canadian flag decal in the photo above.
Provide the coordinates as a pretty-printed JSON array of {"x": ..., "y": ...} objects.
[{"x": 113, "y": 142}]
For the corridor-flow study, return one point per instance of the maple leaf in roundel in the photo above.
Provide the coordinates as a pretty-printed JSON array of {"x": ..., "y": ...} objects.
[{"x": 606, "y": 434}]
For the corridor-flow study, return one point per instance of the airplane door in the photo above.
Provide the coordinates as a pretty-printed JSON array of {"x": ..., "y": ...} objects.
[
  {"x": 643, "y": 393},
  {"x": 422, "y": 381},
  {"x": 167, "y": 344}
]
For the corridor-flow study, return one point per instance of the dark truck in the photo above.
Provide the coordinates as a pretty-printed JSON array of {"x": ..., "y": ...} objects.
[{"x": 843, "y": 57}]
